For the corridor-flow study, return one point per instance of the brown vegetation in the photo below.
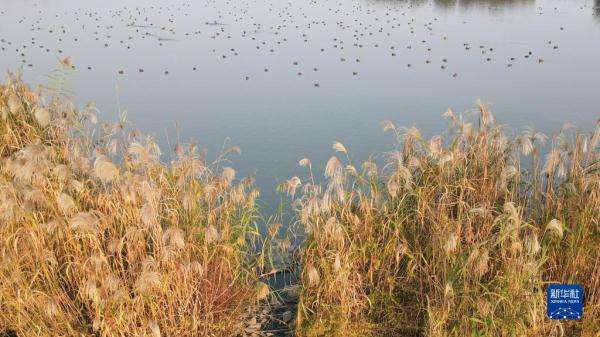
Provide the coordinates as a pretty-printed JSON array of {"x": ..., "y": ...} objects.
[
  {"x": 453, "y": 236},
  {"x": 98, "y": 237}
]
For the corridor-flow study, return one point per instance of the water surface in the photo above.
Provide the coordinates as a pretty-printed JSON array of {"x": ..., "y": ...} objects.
[{"x": 334, "y": 69}]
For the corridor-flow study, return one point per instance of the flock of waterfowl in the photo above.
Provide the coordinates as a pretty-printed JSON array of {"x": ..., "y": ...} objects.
[{"x": 238, "y": 27}]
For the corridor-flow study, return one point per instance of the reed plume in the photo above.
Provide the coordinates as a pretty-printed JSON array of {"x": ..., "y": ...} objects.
[
  {"x": 98, "y": 237},
  {"x": 453, "y": 240}
]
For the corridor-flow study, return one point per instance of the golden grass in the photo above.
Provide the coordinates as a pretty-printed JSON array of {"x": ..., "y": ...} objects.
[
  {"x": 453, "y": 236},
  {"x": 98, "y": 237}
]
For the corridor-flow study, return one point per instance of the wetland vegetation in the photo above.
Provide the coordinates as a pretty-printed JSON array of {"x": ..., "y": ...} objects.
[{"x": 455, "y": 235}]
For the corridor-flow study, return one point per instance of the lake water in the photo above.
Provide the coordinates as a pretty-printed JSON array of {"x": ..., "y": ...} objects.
[{"x": 335, "y": 69}]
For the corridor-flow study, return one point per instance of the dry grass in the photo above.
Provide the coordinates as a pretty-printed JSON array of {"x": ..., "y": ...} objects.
[
  {"x": 455, "y": 236},
  {"x": 98, "y": 237}
]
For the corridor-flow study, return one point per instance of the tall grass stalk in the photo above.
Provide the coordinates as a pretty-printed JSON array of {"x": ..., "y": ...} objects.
[
  {"x": 453, "y": 236},
  {"x": 98, "y": 237}
]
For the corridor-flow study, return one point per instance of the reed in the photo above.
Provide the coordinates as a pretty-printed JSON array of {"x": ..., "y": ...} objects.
[
  {"x": 457, "y": 235},
  {"x": 98, "y": 237},
  {"x": 453, "y": 236}
]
